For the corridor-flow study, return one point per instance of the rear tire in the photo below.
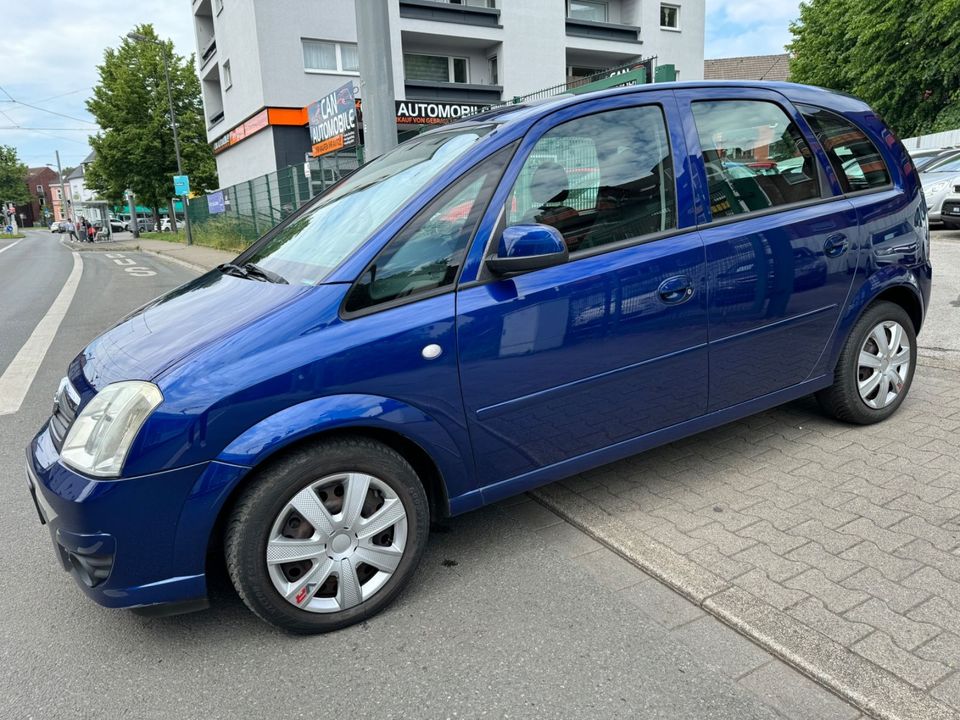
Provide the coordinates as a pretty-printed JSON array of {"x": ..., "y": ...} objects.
[
  {"x": 875, "y": 368},
  {"x": 327, "y": 536}
]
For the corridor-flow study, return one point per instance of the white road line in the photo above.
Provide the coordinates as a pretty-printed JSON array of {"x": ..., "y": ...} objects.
[
  {"x": 3, "y": 249},
  {"x": 19, "y": 375}
]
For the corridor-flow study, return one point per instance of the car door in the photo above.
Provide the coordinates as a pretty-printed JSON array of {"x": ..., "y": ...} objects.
[
  {"x": 781, "y": 244},
  {"x": 560, "y": 363}
]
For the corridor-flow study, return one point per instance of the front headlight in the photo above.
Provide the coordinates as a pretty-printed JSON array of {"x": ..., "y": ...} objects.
[
  {"x": 935, "y": 188},
  {"x": 100, "y": 438}
]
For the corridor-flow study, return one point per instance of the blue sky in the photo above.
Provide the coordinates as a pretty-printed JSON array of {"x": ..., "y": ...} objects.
[
  {"x": 748, "y": 27},
  {"x": 51, "y": 50}
]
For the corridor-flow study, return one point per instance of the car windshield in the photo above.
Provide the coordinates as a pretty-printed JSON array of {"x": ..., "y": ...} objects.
[
  {"x": 311, "y": 246},
  {"x": 950, "y": 163}
]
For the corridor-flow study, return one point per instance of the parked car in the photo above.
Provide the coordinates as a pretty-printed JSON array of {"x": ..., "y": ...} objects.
[
  {"x": 442, "y": 330},
  {"x": 939, "y": 179},
  {"x": 124, "y": 220},
  {"x": 165, "y": 225},
  {"x": 145, "y": 224},
  {"x": 116, "y": 225},
  {"x": 923, "y": 158},
  {"x": 57, "y": 227}
]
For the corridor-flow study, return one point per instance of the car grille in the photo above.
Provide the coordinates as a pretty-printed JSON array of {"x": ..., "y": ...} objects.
[
  {"x": 951, "y": 208},
  {"x": 65, "y": 404}
]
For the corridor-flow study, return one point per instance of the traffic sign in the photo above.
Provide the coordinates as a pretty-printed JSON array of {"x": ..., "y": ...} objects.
[{"x": 181, "y": 185}]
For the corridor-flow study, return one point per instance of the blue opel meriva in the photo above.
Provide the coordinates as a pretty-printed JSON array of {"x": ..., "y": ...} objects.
[{"x": 491, "y": 306}]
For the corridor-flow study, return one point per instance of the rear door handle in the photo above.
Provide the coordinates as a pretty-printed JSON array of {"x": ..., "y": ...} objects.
[
  {"x": 835, "y": 245},
  {"x": 675, "y": 290}
]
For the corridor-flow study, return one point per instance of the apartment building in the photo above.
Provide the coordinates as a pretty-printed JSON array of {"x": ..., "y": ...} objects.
[{"x": 261, "y": 62}]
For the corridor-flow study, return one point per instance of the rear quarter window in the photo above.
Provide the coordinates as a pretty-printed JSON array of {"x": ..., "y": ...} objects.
[{"x": 855, "y": 159}]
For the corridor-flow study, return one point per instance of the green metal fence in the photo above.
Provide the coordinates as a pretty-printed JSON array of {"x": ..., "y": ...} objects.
[{"x": 253, "y": 207}]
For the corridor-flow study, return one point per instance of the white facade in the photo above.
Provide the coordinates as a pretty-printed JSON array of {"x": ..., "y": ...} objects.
[{"x": 251, "y": 56}]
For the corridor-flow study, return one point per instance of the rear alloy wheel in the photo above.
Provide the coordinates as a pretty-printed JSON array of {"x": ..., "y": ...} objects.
[
  {"x": 875, "y": 368},
  {"x": 328, "y": 536}
]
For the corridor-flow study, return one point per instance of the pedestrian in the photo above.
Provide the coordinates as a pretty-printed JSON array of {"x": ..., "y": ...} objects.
[
  {"x": 91, "y": 232},
  {"x": 72, "y": 229}
]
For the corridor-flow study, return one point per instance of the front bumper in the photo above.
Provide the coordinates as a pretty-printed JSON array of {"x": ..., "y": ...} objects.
[{"x": 131, "y": 543}]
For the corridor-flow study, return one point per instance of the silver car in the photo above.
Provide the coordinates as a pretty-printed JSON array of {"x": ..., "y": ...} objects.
[{"x": 940, "y": 179}]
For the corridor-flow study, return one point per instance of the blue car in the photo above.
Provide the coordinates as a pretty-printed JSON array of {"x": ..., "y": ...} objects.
[{"x": 494, "y": 305}]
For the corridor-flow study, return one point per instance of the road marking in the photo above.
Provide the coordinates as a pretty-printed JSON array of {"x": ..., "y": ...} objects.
[
  {"x": 4, "y": 249},
  {"x": 130, "y": 265},
  {"x": 19, "y": 375}
]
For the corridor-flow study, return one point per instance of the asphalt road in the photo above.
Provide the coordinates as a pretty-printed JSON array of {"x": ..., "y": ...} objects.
[{"x": 497, "y": 622}]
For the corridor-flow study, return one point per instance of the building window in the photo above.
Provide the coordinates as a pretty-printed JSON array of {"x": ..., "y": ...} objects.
[
  {"x": 331, "y": 57},
  {"x": 436, "y": 68},
  {"x": 494, "y": 70},
  {"x": 39, "y": 189},
  {"x": 227, "y": 76},
  {"x": 670, "y": 16},
  {"x": 594, "y": 10}
]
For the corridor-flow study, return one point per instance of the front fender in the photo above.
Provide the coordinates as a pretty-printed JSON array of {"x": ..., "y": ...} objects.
[{"x": 337, "y": 412}]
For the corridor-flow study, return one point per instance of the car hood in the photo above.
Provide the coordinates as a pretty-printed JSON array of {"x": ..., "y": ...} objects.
[
  {"x": 189, "y": 320},
  {"x": 929, "y": 178}
]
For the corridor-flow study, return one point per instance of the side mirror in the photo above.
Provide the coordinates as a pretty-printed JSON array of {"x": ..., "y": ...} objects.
[{"x": 528, "y": 247}]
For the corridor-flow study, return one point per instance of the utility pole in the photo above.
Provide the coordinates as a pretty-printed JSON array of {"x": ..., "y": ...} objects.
[
  {"x": 376, "y": 77},
  {"x": 63, "y": 192},
  {"x": 137, "y": 37}
]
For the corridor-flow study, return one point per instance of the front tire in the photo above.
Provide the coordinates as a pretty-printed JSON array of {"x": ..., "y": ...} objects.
[
  {"x": 327, "y": 536},
  {"x": 875, "y": 368}
]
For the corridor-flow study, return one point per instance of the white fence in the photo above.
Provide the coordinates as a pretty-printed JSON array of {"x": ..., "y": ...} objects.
[{"x": 948, "y": 138}]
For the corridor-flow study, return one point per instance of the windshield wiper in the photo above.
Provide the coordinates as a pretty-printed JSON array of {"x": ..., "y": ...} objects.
[{"x": 252, "y": 271}]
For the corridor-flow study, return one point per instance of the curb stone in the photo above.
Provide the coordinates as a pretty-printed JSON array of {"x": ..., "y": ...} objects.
[{"x": 854, "y": 679}]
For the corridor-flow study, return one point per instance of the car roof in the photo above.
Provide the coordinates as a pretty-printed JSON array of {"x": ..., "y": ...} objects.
[{"x": 529, "y": 112}]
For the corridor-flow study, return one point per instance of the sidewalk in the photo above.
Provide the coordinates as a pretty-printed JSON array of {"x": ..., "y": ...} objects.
[{"x": 194, "y": 256}]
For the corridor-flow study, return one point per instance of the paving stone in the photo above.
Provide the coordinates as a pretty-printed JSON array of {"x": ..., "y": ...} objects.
[
  {"x": 924, "y": 552},
  {"x": 730, "y": 519},
  {"x": 776, "y": 516},
  {"x": 757, "y": 583},
  {"x": 795, "y": 696},
  {"x": 906, "y": 633},
  {"x": 882, "y": 516},
  {"x": 836, "y": 597},
  {"x": 711, "y": 638},
  {"x": 709, "y": 557},
  {"x": 891, "y": 566},
  {"x": 949, "y": 691},
  {"x": 532, "y": 515},
  {"x": 725, "y": 541},
  {"x": 897, "y": 597},
  {"x": 881, "y": 649},
  {"x": 936, "y": 514},
  {"x": 938, "y": 611},
  {"x": 680, "y": 518},
  {"x": 815, "y": 530},
  {"x": 774, "y": 566},
  {"x": 944, "y": 648},
  {"x": 866, "y": 529},
  {"x": 611, "y": 570},
  {"x": 934, "y": 581},
  {"x": 834, "y": 567},
  {"x": 832, "y": 518},
  {"x": 812, "y": 612},
  {"x": 661, "y": 604},
  {"x": 874, "y": 493},
  {"x": 943, "y": 539},
  {"x": 674, "y": 539},
  {"x": 567, "y": 540},
  {"x": 778, "y": 541}
]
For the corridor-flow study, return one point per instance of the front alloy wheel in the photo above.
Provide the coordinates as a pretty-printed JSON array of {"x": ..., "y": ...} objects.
[{"x": 327, "y": 536}]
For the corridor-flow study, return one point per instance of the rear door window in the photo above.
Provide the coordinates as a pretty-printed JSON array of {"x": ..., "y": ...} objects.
[
  {"x": 855, "y": 159},
  {"x": 755, "y": 157}
]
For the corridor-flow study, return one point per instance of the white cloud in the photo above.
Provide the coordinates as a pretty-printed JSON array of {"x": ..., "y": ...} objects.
[
  {"x": 748, "y": 27},
  {"x": 52, "y": 48}
]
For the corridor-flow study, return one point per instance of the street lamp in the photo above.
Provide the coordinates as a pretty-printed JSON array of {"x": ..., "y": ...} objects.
[{"x": 137, "y": 37}]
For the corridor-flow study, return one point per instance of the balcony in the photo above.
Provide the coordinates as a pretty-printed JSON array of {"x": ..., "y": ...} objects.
[
  {"x": 450, "y": 13},
  {"x": 453, "y": 92},
  {"x": 207, "y": 52},
  {"x": 602, "y": 30}
]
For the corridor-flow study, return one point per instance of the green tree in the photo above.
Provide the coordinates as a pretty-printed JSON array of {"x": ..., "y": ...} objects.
[
  {"x": 134, "y": 148},
  {"x": 13, "y": 177},
  {"x": 897, "y": 56}
]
